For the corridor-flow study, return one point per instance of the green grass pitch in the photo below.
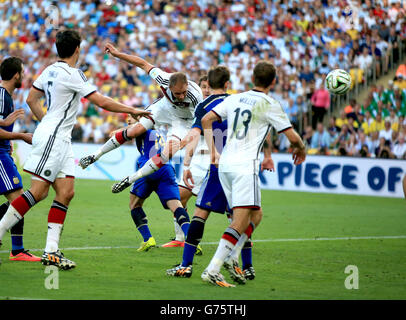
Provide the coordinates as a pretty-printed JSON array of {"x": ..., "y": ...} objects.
[{"x": 100, "y": 237}]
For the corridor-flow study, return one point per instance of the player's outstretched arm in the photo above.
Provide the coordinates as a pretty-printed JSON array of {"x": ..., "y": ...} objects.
[
  {"x": 299, "y": 149},
  {"x": 110, "y": 104},
  {"x": 135, "y": 60}
]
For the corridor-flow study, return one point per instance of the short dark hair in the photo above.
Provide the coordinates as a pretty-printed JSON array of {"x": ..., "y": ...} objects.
[
  {"x": 202, "y": 78},
  {"x": 264, "y": 74},
  {"x": 218, "y": 76},
  {"x": 9, "y": 67},
  {"x": 66, "y": 43},
  {"x": 177, "y": 77}
]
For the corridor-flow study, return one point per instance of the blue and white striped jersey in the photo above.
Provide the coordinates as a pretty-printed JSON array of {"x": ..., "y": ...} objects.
[{"x": 6, "y": 107}]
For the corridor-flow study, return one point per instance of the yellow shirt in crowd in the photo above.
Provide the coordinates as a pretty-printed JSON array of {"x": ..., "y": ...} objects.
[
  {"x": 340, "y": 122},
  {"x": 377, "y": 126}
]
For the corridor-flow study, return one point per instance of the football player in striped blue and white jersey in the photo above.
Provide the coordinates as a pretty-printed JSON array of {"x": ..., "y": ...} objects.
[{"x": 11, "y": 186}]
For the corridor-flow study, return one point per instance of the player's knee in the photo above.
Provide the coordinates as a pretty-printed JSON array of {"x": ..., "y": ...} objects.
[
  {"x": 131, "y": 133},
  {"x": 135, "y": 202},
  {"x": 65, "y": 195},
  {"x": 256, "y": 217},
  {"x": 135, "y": 205},
  {"x": 201, "y": 214},
  {"x": 185, "y": 195},
  {"x": 42, "y": 196},
  {"x": 70, "y": 194},
  {"x": 184, "y": 200}
]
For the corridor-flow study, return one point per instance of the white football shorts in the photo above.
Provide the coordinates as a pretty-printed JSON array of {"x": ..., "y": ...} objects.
[
  {"x": 50, "y": 158},
  {"x": 241, "y": 186},
  {"x": 199, "y": 166}
]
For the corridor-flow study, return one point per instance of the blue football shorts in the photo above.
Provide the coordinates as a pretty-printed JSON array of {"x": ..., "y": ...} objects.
[
  {"x": 10, "y": 179},
  {"x": 163, "y": 182},
  {"x": 211, "y": 196}
]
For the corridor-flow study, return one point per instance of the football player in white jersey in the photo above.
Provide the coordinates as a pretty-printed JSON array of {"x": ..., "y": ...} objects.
[
  {"x": 175, "y": 109},
  {"x": 193, "y": 172},
  {"x": 51, "y": 161},
  {"x": 250, "y": 116}
]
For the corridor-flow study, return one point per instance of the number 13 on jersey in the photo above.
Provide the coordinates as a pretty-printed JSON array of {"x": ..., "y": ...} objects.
[{"x": 242, "y": 120}]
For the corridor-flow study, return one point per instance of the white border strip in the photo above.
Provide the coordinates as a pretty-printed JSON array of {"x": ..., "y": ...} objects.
[{"x": 214, "y": 243}]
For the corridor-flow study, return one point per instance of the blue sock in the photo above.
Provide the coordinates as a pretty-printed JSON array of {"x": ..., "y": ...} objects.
[
  {"x": 188, "y": 254},
  {"x": 145, "y": 233},
  {"x": 193, "y": 239},
  {"x": 17, "y": 243},
  {"x": 141, "y": 222},
  {"x": 182, "y": 218},
  {"x": 246, "y": 255}
]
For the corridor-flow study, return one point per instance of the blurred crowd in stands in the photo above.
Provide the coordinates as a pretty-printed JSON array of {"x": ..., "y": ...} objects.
[{"x": 304, "y": 39}]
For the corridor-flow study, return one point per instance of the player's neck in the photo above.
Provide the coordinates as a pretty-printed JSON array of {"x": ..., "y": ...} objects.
[
  {"x": 71, "y": 61},
  {"x": 9, "y": 86},
  {"x": 264, "y": 90},
  {"x": 217, "y": 91}
]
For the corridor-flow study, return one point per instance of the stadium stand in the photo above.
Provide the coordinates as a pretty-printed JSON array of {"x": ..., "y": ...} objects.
[{"x": 304, "y": 39}]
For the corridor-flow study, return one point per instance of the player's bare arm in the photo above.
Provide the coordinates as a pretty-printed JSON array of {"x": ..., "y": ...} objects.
[
  {"x": 33, "y": 101},
  {"x": 6, "y": 135},
  {"x": 12, "y": 117},
  {"x": 135, "y": 60},
  {"x": 110, "y": 104},
  {"x": 299, "y": 149},
  {"x": 207, "y": 125},
  {"x": 190, "y": 141},
  {"x": 267, "y": 163},
  {"x": 118, "y": 137}
]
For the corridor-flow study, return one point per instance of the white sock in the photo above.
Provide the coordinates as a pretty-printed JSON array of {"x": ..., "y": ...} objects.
[
  {"x": 179, "y": 235},
  {"x": 148, "y": 168},
  {"x": 10, "y": 218},
  {"x": 54, "y": 234},
  {"x": 235, "y": 253},
  {"x": 110, "y": 145},
  {"x": 223, "y": 251}
]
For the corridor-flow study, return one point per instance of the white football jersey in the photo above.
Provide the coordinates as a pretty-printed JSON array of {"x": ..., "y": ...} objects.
[
  {"x": 63, "y": 87},
  {"x": 182, "y": 109},
  {"x": 249, "y": 118}
]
